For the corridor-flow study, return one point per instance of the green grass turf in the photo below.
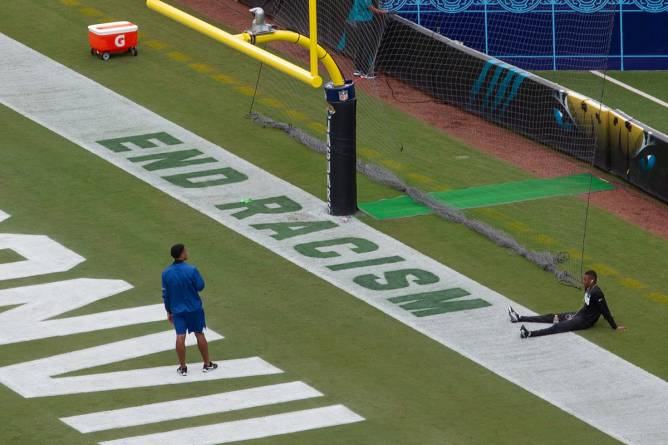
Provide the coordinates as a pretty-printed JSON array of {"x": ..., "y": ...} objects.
[
  {"x": 614, "y": 96},
  {"x": 411, "y": 389},
  {"x": 651, "y": 82},
  {"x": 407, "y": 386}
]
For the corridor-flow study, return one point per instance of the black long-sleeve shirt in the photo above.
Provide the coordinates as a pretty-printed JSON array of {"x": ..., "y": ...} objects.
[{"x": 594, "y": 307}]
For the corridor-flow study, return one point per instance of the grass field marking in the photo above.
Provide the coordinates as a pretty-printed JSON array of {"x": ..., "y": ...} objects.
[
  {"x": 630, "y": 88},
  {"x": 605, "y": 270},
  {"x": 192, "y": 407},
  {"x": 224, "y": 79},
  {"x": 155, "y": 44},
  {"x": 202, "y": 68},
  {"x": 91, "y": 12},
  {"x": 392, "y": 164},
  {"x": 275, "y": 103},
  {"x": 41, "y": 254},
  {"x": 248, "y": 429},
  {"x": 38, "y": 303},
  {"x": 246, "y": 90},
  {"x": 269, "y": 211},
  {"x": 36, "y": 378},
  {"x": 318, "y": 126},
  {"x": 658, "y": 297},
  {"x": 368, "y": 152},
  {"x": 178, "y": 56},
  {"x": 427, "y": 181},
  {"x": 632, "y": 283},
  {"x": 66, "y": 103}
]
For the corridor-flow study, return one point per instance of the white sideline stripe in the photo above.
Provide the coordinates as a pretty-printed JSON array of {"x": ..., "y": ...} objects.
[
  {"x": 248, "y": 429},
  {"x": 197, "y": 406},
  {"x": 594, "y": 385},
  {"x": 630, "y": 88}
]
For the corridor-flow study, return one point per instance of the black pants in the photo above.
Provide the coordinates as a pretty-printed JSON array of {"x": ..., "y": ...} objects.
[{"x": 567, "y": 322}]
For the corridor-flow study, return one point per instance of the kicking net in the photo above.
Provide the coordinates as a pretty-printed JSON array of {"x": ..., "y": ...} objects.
[{"x": 476, "y": 140}]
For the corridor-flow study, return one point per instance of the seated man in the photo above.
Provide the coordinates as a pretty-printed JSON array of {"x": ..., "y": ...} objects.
[{"x": 586, "y": 317}]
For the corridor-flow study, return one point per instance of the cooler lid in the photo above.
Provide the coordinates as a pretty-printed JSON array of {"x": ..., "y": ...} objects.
[{"x": 103, "y": 29}]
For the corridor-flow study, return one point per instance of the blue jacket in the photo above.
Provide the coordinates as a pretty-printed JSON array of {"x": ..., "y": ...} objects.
[{"x": 181, "y": 283}]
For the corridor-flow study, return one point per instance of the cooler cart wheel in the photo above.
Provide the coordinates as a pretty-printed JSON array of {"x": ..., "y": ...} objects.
[
  {"x": 133, "y": 51},
  {"x": 106, "y": 56},
  {"x": 92, "y": 51}
]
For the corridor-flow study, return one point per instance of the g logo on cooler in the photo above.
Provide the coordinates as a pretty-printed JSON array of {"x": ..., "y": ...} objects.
[{"x": 119, "y": 41}]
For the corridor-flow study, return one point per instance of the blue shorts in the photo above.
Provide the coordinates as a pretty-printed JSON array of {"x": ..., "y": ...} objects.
[{"x": 190, "y": 321}]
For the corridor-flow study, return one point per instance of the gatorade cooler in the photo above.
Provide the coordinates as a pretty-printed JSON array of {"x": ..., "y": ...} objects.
[{"x": 112, "y": 38}]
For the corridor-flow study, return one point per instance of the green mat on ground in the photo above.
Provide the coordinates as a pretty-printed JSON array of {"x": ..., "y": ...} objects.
[{"x": 488, "y": 195}]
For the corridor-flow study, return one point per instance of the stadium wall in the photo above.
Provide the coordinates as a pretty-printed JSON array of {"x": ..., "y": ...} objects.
[
  {"x": 566, "y": 34},
  {"x": 530, "y": 105},
  {"x": 527, "y": 104}
]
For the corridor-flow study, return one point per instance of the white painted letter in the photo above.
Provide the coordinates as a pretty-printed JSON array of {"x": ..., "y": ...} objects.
[
  {"x": 248, "y": 429},
  {"x": 193, "y": 407},
  {"x": 42, "y": 255},
  {"x": 44, "y": 301},
  {"x": 35, "y": 378}
]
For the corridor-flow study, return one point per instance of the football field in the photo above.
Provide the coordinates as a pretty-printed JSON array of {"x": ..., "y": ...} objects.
[{"x": 316, "y": 345}]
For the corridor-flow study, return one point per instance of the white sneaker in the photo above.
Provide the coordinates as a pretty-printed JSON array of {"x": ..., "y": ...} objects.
[
  {"x": 514, "y": 316},
  {"x": 357, "y": 73},
  {"x": 182, "y": 370}
]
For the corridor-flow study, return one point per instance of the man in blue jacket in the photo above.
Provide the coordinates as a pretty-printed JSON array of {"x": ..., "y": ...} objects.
[{"x": 181, "y": 284}]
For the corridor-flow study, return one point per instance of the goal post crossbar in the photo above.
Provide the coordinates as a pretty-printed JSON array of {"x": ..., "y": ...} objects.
[{"x": 242, "y": 43}]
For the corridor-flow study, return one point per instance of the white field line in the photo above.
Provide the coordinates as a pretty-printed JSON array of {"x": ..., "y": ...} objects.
[{"x": 630, "y": 88}]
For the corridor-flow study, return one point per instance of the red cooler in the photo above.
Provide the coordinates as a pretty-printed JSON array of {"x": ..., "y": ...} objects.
[{"x": 112, "y": 38}]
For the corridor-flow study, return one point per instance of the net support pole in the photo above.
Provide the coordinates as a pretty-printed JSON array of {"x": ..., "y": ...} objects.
[{"x": 341, "y": 148}]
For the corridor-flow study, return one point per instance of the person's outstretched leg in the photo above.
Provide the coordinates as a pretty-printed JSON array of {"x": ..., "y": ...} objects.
[
  {"x": 515, "y": 317},
  {"x": 573, "y": 324},
  {"x": 547, "y": 318}
]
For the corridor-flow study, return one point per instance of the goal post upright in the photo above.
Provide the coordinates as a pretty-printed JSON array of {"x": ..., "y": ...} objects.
[{"x": 313, "y": 35}]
